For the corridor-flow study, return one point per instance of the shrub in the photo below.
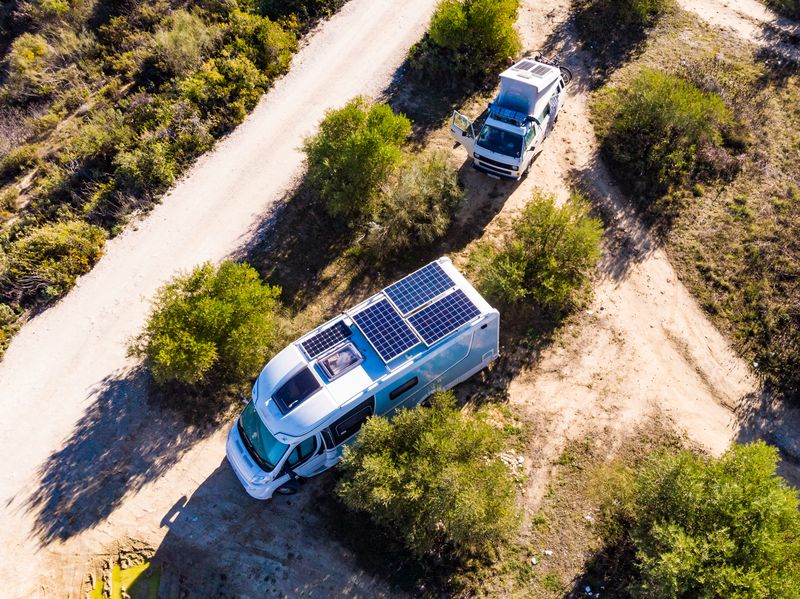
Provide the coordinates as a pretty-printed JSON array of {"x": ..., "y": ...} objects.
[
  {"x": 305, "y": 10},
  {"x": 416, "y": 207},
  {"x": 265, "y": 43},
  {"x": 224, "y": 90},
  {"x": 432, "y": 476},
  {"x": 27, "y": 63},
  {"x": 352, "y": 155},
  {"x": 788, "y": 8},
  {"x": 214, "y": 324},
  {"x": 726, "y": 527},
  {"x": 179, "y": 48},
  {"x": 467, "y": 39},
  {"x": 99, "y": 138},
  {"x": 8, "y": 202},
  {"x": 656, "y": 130},
  {"x": 149, "y": 168},
  {"x": 17, "y": 160},
  {"x": 45, "y": 263},
  {"x": 547, "y": 256}
]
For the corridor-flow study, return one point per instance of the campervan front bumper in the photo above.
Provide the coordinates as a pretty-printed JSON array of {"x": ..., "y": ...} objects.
[
  {"x": 495, "y": 168},
  {"x": 255, "y": 481}
]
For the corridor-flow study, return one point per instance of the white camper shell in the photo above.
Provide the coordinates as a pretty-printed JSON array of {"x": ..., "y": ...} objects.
[
  {"x": 431, "y": 330},
  {"x": 519, "y": 119}
]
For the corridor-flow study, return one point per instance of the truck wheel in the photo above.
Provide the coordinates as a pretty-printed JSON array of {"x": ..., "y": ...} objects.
[{"x": 289, "y": 488}]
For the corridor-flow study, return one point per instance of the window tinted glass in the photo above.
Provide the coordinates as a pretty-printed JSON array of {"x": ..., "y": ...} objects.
[
  {"x": 350, "y": 424},
  {"x": 500, "y": 141},
  {"x": 265, "y": 449},
  {"x": 296, "y": 390},
  {"x": 395, "y": 393},
  {"x": 302, "y": 452}
]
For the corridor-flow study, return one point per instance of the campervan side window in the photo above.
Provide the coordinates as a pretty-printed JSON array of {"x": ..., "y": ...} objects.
[
  {"x": 302, "y": 452},
  {"x": 397, "y": 392},
  {"x": 349, "y": 424}
]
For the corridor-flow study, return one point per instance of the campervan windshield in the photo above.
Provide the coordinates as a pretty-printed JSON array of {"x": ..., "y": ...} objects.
[
  {"x": 262, "y": 444},
  {"x": 500, "y": 141}
]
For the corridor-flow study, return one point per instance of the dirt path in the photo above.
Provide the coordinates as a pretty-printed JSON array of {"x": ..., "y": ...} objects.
[
  {"x": 83, "y": 462},
  {"x": 644, "y": 346},
  {"x": 751, "y": 21}
]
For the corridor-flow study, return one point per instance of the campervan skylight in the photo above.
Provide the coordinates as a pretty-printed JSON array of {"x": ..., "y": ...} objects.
[{"x": 343, "y": 359}]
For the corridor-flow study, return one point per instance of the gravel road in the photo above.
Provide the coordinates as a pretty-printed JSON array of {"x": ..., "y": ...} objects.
[{"x": 82, "y": 462}]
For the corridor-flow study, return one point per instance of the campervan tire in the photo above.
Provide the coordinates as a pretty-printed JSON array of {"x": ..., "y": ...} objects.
[{"x": 286, "y": 489}]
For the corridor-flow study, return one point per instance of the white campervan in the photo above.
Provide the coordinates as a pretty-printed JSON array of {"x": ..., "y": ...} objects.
[{"x": 429, "y": 331}]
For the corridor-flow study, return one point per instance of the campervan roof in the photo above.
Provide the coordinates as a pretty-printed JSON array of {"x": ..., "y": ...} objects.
[
  {"x": 525, "y": 86},
  {"x": 347, "y": 357}
]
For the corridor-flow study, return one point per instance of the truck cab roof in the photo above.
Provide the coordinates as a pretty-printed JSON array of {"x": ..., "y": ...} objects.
[{"x": 318, "y": 377}]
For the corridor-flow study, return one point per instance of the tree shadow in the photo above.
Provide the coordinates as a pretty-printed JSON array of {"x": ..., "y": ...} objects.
[
  {"x": 607, "y": 573},
  {"x": 120, "y": 444},
  {"x": 222, "y": 543},
  {"x": 780, "y": 52},
  {"x": 763, "y": 416}
]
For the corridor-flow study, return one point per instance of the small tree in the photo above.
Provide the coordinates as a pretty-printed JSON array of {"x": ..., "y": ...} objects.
[
  {"x": 45, "y": 263},
  {"x": 726, "y": 527},
  {"x": 547, "y": 255},
  {"x": 180, "y": 47},
  {"x": 214, "y": 323},
  {"x": 433, "y": 475},
  {"x": 353, "y": 154},
  {"x": 659, "y": 130},
  {"x": 416, "y": 207}
]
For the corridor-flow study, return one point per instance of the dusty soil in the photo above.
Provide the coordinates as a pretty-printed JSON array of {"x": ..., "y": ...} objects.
[{"x": 88, "y": 462}]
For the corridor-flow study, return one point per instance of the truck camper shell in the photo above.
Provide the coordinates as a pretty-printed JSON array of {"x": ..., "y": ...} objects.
[{"x": 429, "y": 331}]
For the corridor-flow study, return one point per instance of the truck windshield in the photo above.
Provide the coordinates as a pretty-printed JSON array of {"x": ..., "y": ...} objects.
[
  {"x": 265, "y": 448},
  {"x": 500, "y": 141}
]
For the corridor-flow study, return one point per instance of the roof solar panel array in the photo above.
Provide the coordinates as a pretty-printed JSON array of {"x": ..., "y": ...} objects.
[
  {"x": 324, "y": 340},
  {"x": 443, "y": 316},
  {"x": 385, "y": 329},
  {"x": 411, "y": 292}
]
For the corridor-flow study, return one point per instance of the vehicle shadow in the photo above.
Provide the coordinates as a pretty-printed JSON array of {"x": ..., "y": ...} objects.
[
  {"x": 222, "y": 543},
  {"x": 119, "y": 445},
  {"x": 762, "y": 416}
]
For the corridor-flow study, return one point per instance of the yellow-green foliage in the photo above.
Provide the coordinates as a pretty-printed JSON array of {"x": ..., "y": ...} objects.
[
  {"x": 416, "y": 206},
  {"x": 27, "y": 64},
  {"x": 47, "y": 262},
  {"x": 353, "y": 154},
  {"x": 432, "y": 475},
  {"x": 659, "y": 131},
  {"x": 546, "y": 257},
  {"x": 179, "y": 47},
  {"x": 214, "y": 324},
  {"x": 709, "y": 527}
]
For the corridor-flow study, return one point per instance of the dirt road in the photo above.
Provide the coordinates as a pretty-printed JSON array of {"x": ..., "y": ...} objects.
[{"x": 83, "y": 462}]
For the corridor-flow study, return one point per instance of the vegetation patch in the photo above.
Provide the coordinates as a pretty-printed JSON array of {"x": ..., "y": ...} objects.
[
  {"x": 616, "y": 29},
  {"x": 660, "y": 132},
  {"x": 468, "y": 40},
  {"x": 212, "y": 327},
  {"x": 693, "y": 526},
  {"x": 545, "y": 259},
  {"x": 108, "y": 104}
]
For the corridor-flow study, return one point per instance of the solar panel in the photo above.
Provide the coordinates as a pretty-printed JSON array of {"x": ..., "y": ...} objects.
[
  {"x": 419, "y": 287},
  {"x": 385, "y": 329},
  {"x": 443, "y": 317},
  {"x": 326, "y": 339}
]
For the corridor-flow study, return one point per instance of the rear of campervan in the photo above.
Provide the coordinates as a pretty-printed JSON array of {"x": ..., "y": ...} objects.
[{"x": 431, "y": 330}]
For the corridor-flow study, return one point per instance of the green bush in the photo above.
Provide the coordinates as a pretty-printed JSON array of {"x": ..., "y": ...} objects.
[
  {"x": 225, "y": 89},
  {"x": 304, "y": 10},
  {"x": 28, "y": 67},
  {"x": 99, "y": 138},
  {"x": 547, "y": 256},
  {"x": 467, "y": 40},
  {"x": 726, "y": 527},
  {"x": 179, "y": 48},
  {"x": 45, "y": 263},
  {"x": 432, "y": 476},
  {"x": 17, "y": 160},
  {"x": 788, "y": 8},
  {"x": 416, "y": 207},
  {"x": 265, "y": 43},
  {"x": 352, "y": 155},
  {"x": 659, "y": 131},
  {"x": 214, "y": 324},
  {"x": 622, "y": 13}
]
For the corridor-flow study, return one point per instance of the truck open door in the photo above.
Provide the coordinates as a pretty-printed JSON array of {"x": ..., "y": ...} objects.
[{"x": 462, "y": 131}]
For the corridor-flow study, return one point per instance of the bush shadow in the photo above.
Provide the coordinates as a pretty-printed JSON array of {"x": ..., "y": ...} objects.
[
  {"x": 764, "y": 416},
  {"x": 780, "y": 52},
  {"x": 220, "y": 542},
  {"x": 120, "y": 444}
]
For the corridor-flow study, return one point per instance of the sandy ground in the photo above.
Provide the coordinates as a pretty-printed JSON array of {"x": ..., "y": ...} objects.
[
  {"x": 86, "y": 465},
  {"x": 75, "y": 437}
]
